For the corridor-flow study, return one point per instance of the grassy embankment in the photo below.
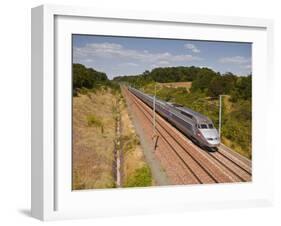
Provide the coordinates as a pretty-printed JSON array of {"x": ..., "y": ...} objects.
[
  {"x": 93, "y": 139},
  {"x": 94, "y": 115},
  {"x": 136, "y": 172},
  {"x": 96, "y": 104}
]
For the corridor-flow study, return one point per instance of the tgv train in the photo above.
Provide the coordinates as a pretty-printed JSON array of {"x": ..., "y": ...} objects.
[{"x": 193, "y": 124}]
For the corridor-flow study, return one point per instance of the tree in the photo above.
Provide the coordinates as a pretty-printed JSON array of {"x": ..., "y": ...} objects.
[
  {"x": 203, "y": 79},
  {"x": 216, "y": 87},
  {"x": 222, "y": 84},
  {"x": 243, "y": 88},
  {"x": 86, "y": 77}
]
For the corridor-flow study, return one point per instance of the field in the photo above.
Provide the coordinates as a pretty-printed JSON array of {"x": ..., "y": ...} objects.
[{"x": 186, "y": 85}]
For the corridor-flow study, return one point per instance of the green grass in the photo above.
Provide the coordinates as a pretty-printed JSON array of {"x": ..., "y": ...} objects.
[{"x": 140, "y": 178}]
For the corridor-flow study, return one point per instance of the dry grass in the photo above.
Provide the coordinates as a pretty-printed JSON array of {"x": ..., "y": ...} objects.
[
  {"x": 93, "y": 146},
  {"x": 95, "y": 121},
  {"x": 94, "y": 116},
  {"x": 228, "y": 104},
  {"x": 186, "y": 85}
]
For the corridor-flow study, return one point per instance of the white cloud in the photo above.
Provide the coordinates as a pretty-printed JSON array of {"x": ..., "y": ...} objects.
[
  {"x": 89, "y": 60},
  {"x": 247, "y": 66},
  {"x": 235, "y": 60},
  {"x": 192, "y": 47},
  {"x": 131, "y": 64},
  {"x": 117, "y": 51},
  {"x": 163, "y": 62}
]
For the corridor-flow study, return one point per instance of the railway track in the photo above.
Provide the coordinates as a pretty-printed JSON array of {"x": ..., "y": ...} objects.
[{"x": 189, "y": 163}]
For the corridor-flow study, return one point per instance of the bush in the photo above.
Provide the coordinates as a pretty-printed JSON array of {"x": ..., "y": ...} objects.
[
  {"x": 237, "y": 126},
  {"x": 129, "y": 142},
  {"x": 86, "y": 77},
  {"x": 93, "y": 120},
  {"x": 141, "y": 178}
]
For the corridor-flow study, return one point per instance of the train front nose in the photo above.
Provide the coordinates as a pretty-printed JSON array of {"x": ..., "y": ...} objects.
[
  {"x": 214, "y": 142},
  {"x": 211, "y": 136}
]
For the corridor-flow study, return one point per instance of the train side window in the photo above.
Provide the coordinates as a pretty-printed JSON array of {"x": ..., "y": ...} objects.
[
  {"x": 186, "y": 114},
  {"x": 203, "y": 126},
  {"x": 211, "y": 126}
]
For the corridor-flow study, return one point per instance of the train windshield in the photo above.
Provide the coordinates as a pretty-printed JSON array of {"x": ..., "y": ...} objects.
[{"x": 206, "y": 126}]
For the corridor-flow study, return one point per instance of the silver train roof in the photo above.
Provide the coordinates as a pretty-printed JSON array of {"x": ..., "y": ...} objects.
[{"x": 199, "y": 117}]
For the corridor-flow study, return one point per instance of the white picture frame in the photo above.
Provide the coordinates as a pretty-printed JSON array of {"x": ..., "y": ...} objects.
[{"x": 52, "y": 197}]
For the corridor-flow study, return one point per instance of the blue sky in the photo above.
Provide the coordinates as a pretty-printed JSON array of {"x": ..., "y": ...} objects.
[{"x": 129, "y": 56}]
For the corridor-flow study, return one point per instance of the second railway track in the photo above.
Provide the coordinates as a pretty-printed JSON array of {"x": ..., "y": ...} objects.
[{"x": 195, "y": 165}]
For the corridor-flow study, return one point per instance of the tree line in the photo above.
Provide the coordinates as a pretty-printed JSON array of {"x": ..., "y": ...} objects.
[
  {"x": 86, "y": 77},
  {"x": 90, "y": 79},
  {"x": 203, "y": 79}
]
